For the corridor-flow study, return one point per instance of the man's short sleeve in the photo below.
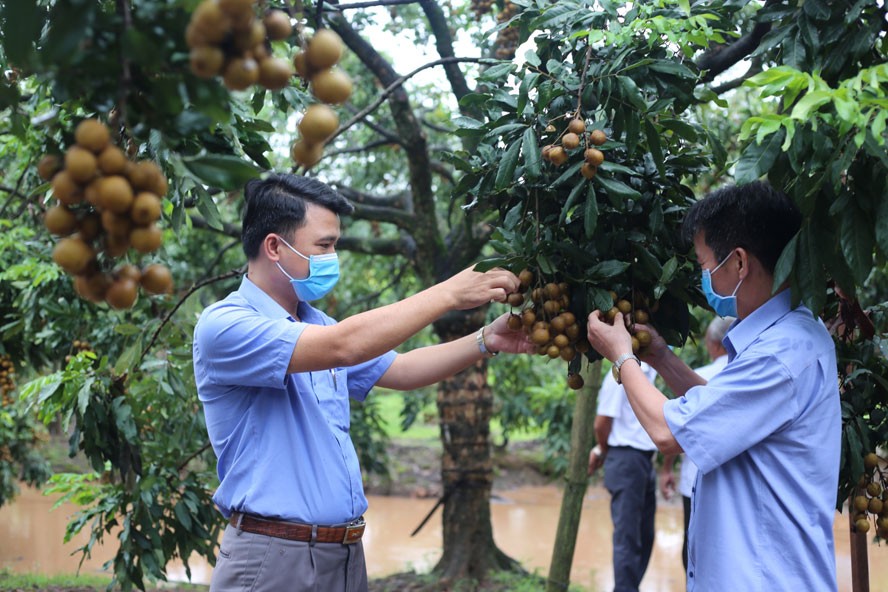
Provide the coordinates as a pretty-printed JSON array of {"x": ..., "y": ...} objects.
[{"x": 238, "y": 345}]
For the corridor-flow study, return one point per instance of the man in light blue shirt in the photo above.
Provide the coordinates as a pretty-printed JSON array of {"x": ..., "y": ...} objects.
[
  {"x": 275, "y": 376},
  {"x": 765, "y": 431}
]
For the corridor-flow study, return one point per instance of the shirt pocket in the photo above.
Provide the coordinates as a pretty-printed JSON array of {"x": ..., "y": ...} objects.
[{"x": 331, "y": 389}]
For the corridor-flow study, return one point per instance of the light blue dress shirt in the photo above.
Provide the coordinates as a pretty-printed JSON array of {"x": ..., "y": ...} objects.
[
  {"x": 282, "y": 440},
  {"x": 765, "y": 433}
]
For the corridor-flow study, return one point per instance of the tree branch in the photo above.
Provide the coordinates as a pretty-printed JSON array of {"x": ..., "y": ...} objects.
[
  {"x": 444, "y": 44},
  {"x": 372, "y": 3},
  {"x": 364, "y": 148},
  {"x": 754, "y": 68},
  {"x": 228, "y": 229},
  {"x": 405, "y": 246},
  {"x": 401, "y": 201},
  {"x": 718, "y": 59}
]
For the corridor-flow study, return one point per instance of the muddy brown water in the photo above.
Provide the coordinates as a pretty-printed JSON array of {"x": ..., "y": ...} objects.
[{"x": 524, "y": 523}]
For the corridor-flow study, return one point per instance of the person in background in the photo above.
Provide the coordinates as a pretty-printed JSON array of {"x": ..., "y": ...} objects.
[
  {"x": 766, "y": 431},
  {"x": 627, "y": 453},
  {"x": 712, "y": 341},
  {"x": 275, "y": 374}
]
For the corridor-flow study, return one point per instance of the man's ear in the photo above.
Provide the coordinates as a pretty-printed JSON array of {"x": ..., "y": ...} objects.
[
  {"x": 742, "y": 262},
  {"x": 272, "y": 245}
]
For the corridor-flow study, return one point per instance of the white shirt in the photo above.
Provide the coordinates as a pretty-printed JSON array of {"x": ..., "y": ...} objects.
[
  {"x": 688, "y": 468},
  {"x": 612, "y": 402}
]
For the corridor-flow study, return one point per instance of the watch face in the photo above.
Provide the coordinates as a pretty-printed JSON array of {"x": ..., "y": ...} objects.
[{"x": 616, "y": 373}]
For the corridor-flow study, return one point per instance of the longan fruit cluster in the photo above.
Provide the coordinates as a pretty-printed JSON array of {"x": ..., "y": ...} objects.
[
  {"x": 7, "y": 379},
  {"x": 226, "y": 38},
  {"x": 573, "y": 136},
  {"x": 547, "y": 321},
  {"x": 872, "y": 497},
  {"x": 107, "y": 204},
  {"x": 632, "y": 314},
  {"x": 507, "y": 39},
  {"x": 481, "y": 7},
  {"x": 330, "y": 85},
  {"x": 78, "y": 346}
]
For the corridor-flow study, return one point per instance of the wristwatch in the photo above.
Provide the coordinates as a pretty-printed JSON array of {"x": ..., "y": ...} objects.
[{"x": 618, "y": 363}]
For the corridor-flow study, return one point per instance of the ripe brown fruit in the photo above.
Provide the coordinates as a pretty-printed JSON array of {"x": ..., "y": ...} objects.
[
  {"x": 157, "y": 279},
  {"x": 112, "y": 160},
  {"x": 275, "y": 73},
  {"x": 80, "y": 164},
  {"x": 128, "y": 270},
  {"x": 241, "y": 73},
  {"x": 570, "y": 141},
  {"x": 145, "y": 208},
  {"x": 861, "y": 525},
  {"x": 92, "y": 287},
  {"x": 250, "y": 36},
  {"x": 575, "y": 381},
  {"x": 540, "y": 336},
  {"x": 48, "y": 166},
  {"x": 60, "y": 221},
  {"x": 624, "y": 306},
  {"x": 514, "y": 322},
  {"x": 553, "y": 351},
  {"x": 206, "y": 61},
  {"x": 332, "y": 86},
  {"x": 318, "y": 124},
  {"x": 277, "y": 23},
  {"x": 515, "y": 299},
  {"x": 546, "y": 152},
  {"x": 558, "y": 156},
  {"x": 875, "y": 505},
  {"x": 593, "y": 156},
  {"x": 597, "y": 137},
  {"x": 568, "y": 353},
  {"x": 324, "y": 49},
  {"x": 306, "y": 154},
  {"x": 72, "y": 254},
  {"x": 642, "y": 317},
  {"x": 525, "y": 276},
  {"x": 143, "y": 175},
  {"x": 644, "y": 338},
  {"x": 552, "y": 290},
  {"x": 236, "y": 6},
  {"x": 212, "y": 22},
  {"x": 92, "y": 135},
  {"x": 116, "y": 245},
  {"x": 115, "y": 193},
  {"x": 636, "y": 345},
  {"x": 116, "y": 225},
  {"x": 65, "y": 189},
  {"x": 90, "y": 226},
  {"x": 871, "y": 461},
  {"x": 576, "y": 126},
  {"x": 588, "y": 171},
  {"x": 122, "y": 293},
  {"x": 301, "y": 65},
  {"x": 528, "y": 318},
  {"x": 874, "y": 489},
  {"x": 146, "y": 239}
]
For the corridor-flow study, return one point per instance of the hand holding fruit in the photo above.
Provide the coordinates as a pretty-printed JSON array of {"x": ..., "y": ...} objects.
[
  {"x": 470, "y": 288},
  {"x": 499, "y": 337},
  {"x": 611, "y": 341}
]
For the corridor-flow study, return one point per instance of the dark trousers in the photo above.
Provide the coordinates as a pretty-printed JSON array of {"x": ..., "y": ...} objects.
[
  {"x": 687, "y": 520},
  {"x": 250, "y": 562},
  {"x": 630, "y": 478}
]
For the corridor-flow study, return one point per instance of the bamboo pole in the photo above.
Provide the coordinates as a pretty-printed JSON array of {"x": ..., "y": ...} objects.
[{"x": 581, "y": 436}]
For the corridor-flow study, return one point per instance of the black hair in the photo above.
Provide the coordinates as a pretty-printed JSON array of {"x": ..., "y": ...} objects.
[
  {"x": 276, "y": 205},
  {"x": 756, "y": 217}
]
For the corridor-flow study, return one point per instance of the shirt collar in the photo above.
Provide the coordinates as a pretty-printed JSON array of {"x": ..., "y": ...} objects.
[
  {"x": 743, "y": 332},
  {"x": 266, "y": 305}
]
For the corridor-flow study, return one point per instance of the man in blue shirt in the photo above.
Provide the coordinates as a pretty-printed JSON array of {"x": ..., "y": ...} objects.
[
  {"x": 765, "y": 431},
  {"x": 275, "y": 375}
]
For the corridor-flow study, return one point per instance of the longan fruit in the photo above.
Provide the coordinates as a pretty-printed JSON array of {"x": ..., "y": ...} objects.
[
  {"x": 60, "y": 221},
  {"x": 588, "y": 171},
  {"x": 570, "y": 141},
  {"x": 525, "y": 276},
  {"x": 128, "y": 270},
  {"x": 72, "y": 254},
  {"x": 597, "y": 137},
  {"x": 146, "y": 208},
  {"x": 332, "y": 86},
  {"x": 112, "y": 160},
  {"x": 318, "y": 123},
  {"x": 157, "y": 279},
  {"x": 241, "y": 73},
  {"x": 593, "y": 156},
  {"x": 48, "y": 166},
  {"x": 92, "y": 134},
  {"x": 871, "y": 461},
  {"x": 540, "y": 336},
  {"x": 642, "y": 317},
  {"x": 575, "y": 381},
  {"x": 80, "y": 164},
  {"x": 324, "y": 49},
  {"x": 122, "y": 293},
  {"x": 624, "y": 306},
  {"x": 206, "y": 61},
  {"x": 515, "y": 299},
  {"x": 558, "y": 156},
  {"x": 212, "y": 22},
  {"x": 275, "y": 73},
  {"x": 644, "y": 338},
  {"x": 514, "y": 322},
  {"x": 576, "y": 126},
  {"x": 146, "y": 239},
  {"x": 306, "y": 154},
  {"x": 115, "y": 193},
  {"x": 92, "y": 287},
  {"x": 277, "y": 23}
]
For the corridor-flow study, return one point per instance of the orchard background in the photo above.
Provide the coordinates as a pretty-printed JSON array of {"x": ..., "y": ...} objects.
[{"x": 448, "y": 163}]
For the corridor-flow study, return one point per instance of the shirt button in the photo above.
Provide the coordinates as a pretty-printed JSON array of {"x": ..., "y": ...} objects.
[{"x": 690, "y": 574}]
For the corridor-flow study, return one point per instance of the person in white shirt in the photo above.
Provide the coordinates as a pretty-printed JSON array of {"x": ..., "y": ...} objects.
[
  {"x": 626, "y": 452},
  {"x": 715, "y": 332}
]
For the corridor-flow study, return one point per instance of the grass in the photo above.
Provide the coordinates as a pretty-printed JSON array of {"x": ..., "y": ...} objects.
[{"x": 73, "y": 583}]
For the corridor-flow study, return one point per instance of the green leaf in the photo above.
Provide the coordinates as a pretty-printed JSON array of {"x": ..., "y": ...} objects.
[
  {"x": 632, "y": 93},
  {"x": 221, "y": 170},
  {"x": 757, "y": 159},
  {"x": 206, "y": 205},
  {"x": 590, "y": 212},
  {"x": 653, "y": 138},
  {"x": 494, "y": 73},
  {"x": 570, "y": 201},
  {"x": 786, "y": 262},
  {"x": 182, "y": 514},
  {"x": 810, "y": 102},
  {"x": 882, "y": 227},
  {"x": 607, "y": 269},
  {"x": 857, "y": 243},
  {"x": 531, "y": 151},
  {"x": 617, "y": 189},
  {"x": 506, "y": 172},
  {"x": 129, "y": 356},
  {"x": 719, "y": 154},
  {"x": 673, "y": 68}
]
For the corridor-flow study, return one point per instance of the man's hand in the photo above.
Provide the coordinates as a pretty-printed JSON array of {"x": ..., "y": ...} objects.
[
  {"x": 500, "y": 338},
  {"x": 667, "y": 482},
  {"x": 470, "y": 289},
  {"x": 596, "y": 460},
  {"x": 656, "y": 349},
  {"x": 611, "y": 341}
]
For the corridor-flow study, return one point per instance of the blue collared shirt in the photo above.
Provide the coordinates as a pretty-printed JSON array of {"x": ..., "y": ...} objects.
[
  {"x": 765, "y": 433},
  {"x": 282, "y": 440}
]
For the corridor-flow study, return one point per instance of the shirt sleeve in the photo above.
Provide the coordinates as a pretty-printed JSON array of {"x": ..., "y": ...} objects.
[
  {"x": 241, "y": 346},
  {"x": 362, "y": 377},
  {"x": 749, "y": 400},
  {"x": 610, "y": 397}
]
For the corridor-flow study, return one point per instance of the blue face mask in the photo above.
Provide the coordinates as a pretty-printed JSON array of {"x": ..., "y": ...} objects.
[
  {"x": 323, "y": 273},
  {"x": 724, "y": 306}
]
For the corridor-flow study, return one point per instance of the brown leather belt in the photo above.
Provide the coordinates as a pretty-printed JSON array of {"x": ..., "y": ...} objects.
[{"x": 293, "y": 531}]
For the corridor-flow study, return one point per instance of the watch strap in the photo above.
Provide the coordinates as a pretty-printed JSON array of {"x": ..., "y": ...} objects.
[{"x": 618, "y": 364}]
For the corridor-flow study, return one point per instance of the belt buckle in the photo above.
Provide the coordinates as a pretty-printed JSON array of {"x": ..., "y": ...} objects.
[{"x": 354, "y": 532}]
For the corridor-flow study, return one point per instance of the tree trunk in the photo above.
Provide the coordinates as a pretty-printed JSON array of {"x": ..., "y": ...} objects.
[
  {"x": 581, "y": 436},
  {"x": 464, "y": 404}
]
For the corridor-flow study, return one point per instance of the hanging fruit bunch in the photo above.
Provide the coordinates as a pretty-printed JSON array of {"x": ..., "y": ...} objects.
[
  {"x": 543, "y": 313},
  {"x": 7, "y": 379},
  {"x": 507, "y": 38},
  {"x": 227, "y": 39},
  {"x": 78, "y": 346},
  {"x": 107, "y": 205},
  {"x": 872, "y": 497},
  {"x": 634, "y": 310},
  {"x": 330, "y": 85},
  {"x": 574, "y": 135}
]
